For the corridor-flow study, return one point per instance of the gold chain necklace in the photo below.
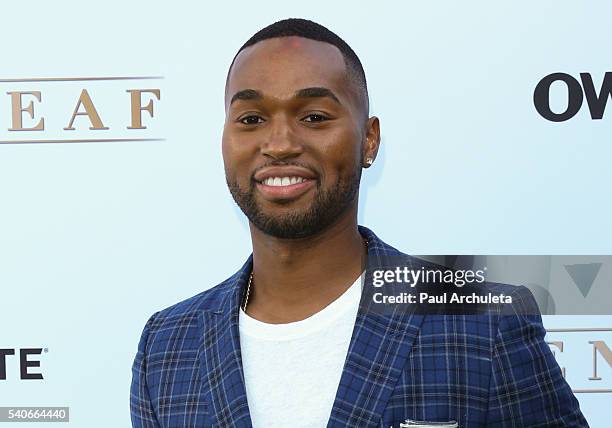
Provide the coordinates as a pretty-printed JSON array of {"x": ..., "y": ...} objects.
[{"x": 248, "y": 290}]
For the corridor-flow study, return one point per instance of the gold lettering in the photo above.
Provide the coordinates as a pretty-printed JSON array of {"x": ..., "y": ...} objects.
[
  {"x": 138, "y": 108},
  {"x": 18, "y": 110},
  {"x": 90, "y": 112},
  {"x": 600, "y": 345}
]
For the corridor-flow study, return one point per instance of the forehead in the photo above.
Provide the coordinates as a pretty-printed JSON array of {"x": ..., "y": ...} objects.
[{"x": 278, "y": 67}]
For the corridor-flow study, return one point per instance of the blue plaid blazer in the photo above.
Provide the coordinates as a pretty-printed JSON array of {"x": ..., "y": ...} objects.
[{"x": 478, "y": 370}]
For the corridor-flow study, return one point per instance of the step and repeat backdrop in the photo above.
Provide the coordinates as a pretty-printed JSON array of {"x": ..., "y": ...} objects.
[{"x": 496, "y": 139}]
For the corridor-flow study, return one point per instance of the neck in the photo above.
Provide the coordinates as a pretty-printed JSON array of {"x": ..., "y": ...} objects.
[{"x": 295, "y": 278}]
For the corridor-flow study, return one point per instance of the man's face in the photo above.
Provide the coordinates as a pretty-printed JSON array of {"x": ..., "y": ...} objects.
[{"x": 293, "y": 136}]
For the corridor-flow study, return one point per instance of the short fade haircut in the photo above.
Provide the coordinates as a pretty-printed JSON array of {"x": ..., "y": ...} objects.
[{"x": 311, "y": 30}]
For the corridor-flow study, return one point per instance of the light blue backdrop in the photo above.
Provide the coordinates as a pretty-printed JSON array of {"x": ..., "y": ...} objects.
[{"x": 96, "y": 237}]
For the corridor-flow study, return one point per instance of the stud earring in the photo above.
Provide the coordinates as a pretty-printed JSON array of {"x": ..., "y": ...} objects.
[{"x": 369, "y": 161}]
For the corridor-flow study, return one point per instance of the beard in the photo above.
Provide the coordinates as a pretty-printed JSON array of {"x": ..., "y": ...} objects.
[{"x": 327, "y": 206}]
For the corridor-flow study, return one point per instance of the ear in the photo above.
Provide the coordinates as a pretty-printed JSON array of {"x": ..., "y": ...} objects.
[{"x": 370, "y": 148}]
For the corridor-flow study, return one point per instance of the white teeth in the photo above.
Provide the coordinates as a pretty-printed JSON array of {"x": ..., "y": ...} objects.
[{"x": 282, "y": 181}]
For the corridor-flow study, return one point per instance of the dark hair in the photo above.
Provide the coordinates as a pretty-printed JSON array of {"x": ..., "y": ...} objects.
[{"x": 312, "y": 30}]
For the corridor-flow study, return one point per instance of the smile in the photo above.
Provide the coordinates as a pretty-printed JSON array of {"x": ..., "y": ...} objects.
[
  {"x": 285, "y": 188},
  {"x": 283, "y": 181}
]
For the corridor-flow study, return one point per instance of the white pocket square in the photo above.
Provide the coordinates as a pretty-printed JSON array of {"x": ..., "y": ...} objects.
[{"x": 427, "y": 424}]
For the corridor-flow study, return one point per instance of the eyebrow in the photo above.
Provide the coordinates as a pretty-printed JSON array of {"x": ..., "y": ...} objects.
[
  {"x": 246, "y": 94},
  {"x": 314, "y": 92}
]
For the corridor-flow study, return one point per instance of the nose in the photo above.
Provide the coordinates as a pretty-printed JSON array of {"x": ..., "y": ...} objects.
[{"x": 281, "y": 142}]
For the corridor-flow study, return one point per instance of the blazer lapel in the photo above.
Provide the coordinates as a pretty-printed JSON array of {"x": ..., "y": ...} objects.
[
  {"x": 377, "y": 354},
  {"x": 220, "y": 358},
  {"x": 376, "y": 357}
]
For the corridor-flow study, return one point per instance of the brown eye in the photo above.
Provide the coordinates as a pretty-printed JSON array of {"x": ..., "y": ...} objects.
[
  {"x": 315, "y": 117},
  {"x": 251, "y": 120}
]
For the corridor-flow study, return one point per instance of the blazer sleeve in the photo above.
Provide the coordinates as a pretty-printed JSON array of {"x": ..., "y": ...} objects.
[
  {"x": 527, "y": 388},
  {"x": 141, "y": 409}
]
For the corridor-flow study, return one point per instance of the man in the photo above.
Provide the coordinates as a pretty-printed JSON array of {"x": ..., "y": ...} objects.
[{"x": 286, "y": 341}]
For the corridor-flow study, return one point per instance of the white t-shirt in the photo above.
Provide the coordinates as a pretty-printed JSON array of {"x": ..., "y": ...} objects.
[{"x": 292, "y": 371}]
